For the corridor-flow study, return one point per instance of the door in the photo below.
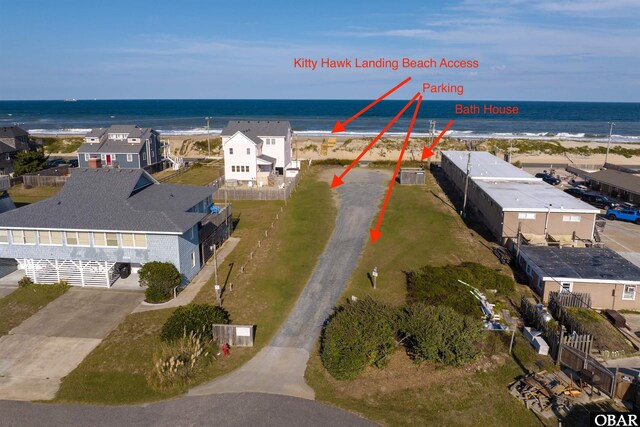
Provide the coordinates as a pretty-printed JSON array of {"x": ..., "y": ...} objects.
[{"x": 108, "y": 159}]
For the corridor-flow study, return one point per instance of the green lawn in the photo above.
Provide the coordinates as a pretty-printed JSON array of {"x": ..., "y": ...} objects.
[
  {"x": 198, "y": 175},
  {"x": 22, "y": 196},
  {"x": 420, "y": 229},
  {"x": 116, "y": 371},
  {"x": 605, "y": 335},
  {"x": 24, "y": 302}
]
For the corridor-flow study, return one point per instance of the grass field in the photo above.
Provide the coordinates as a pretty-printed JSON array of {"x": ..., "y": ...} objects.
[
  {"x": 116, "y": 371},
  {"x": 23, "y": 196},
  {"x": 605, "y": 335},
  {"x": 24, "y": 302},
  {"x": 196, "y": 175},
  {"x": 420, "y": 229}
]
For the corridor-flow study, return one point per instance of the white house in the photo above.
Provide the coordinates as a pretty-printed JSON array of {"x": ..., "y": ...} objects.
[{"x": 255, "y": 149}]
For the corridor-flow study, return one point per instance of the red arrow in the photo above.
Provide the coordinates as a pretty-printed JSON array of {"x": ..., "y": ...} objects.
[
  {"x": 337, "y": 180},
  {"x": 428, "y": 151},
  {"x": 339, "y": 127},
  {"x": 375, "y": 232}
]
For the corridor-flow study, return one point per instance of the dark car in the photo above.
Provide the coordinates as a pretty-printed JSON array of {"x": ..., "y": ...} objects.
[
  {"x": 73, "y": 163},
  {"x": 122, "y": 269},
  {"x": 548, "y": 178},
  {"x": 598, "y": 201},
  {"x": 54, "y": 163},
  {"x": 575, "y": 192}
]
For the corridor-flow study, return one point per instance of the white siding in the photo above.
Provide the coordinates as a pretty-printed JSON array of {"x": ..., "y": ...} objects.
[{"x": 239, "y": 144}]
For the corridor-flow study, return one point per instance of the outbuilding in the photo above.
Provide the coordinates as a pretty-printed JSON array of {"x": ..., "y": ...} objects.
[{"x": 412, "y": 176}]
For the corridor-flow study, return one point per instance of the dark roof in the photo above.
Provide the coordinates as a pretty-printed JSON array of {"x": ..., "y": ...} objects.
[
  {"x": 113, "y": 199},
  {"x": 624, "y": 181},
  {"x": 4, "y": 148},
  {"x": 12, "y": 132},
  {"x": 116, "y": 145},
  {"x": 268, "y": 158},
  {"x": 257, "y": 127},
  {"x": 581, "y": 263}
]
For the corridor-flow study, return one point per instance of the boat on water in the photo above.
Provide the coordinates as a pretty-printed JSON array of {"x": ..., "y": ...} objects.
[{"x": 70, "y": 100}]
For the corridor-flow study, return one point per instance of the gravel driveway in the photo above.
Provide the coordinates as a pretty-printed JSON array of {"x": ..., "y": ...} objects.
[{"x": 279, "y": 368}]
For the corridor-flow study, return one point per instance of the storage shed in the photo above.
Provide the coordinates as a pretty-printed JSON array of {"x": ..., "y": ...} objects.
[{"x": 412, "y": 176}]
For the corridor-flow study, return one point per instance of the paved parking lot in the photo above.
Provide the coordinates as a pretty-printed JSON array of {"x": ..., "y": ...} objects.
[
  {"x": 52, "y": 342},
  {"x": 624, "y": 238}
]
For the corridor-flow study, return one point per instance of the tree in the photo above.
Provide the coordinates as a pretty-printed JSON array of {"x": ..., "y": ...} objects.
[
  {"x": 159, "y": 278},
  {"x": 440, "y": 334},
  {"x": 29, "y": 162}
]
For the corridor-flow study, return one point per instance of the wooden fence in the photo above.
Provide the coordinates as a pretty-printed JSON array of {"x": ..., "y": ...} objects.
[
  {"x": 234, "y": 335},
  {"x": 44, "y": 181},
  {"x": 255, "y": 193},
  {"x": 591, "y": 371},
  {"x": 562, "y": 315},
  {"x": 572, "y": 299}
]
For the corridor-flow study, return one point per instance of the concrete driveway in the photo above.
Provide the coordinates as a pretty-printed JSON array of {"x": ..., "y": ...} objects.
[
  {"x": 279, "y": 368},
  {"x": 51, "y": 343}
]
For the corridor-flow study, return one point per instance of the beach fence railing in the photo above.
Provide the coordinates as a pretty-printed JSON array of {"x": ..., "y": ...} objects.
[
  {"x": 254, "y": 193},
  {"x": 234, "y": 335}
]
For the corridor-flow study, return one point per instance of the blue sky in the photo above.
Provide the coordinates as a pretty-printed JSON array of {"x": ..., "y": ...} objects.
[{"x": 567, "y": 50}]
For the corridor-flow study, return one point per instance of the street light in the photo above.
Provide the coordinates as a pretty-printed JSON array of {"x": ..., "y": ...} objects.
[
  {"x": 208, "y": 141},
  {"x": 606, "y": 156}
]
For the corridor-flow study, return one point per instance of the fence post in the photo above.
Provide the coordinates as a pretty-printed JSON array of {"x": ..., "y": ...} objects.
[{"x": 560, "y": 342}]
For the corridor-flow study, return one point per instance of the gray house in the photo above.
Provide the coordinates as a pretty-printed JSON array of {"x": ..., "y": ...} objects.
[
  {"x": 124, "y": 147},
  {"x": 103, "y": 217},
  {"x": 13, "y": 139}
]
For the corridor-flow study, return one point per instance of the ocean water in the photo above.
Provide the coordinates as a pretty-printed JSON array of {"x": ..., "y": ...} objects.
[{"x": 536, "y": 120}]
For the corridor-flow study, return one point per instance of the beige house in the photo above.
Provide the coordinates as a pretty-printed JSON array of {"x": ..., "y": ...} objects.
[
  {"x": 612, "y": 281},
  {"x": 507, "y": 198}
]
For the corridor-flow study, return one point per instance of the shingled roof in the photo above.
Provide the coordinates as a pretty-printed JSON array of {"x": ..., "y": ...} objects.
[
  {"x": 113, "y": 200},
  {"x": 622, "y": 180},
  {"x": 119, "y": 146},
  {"x": 257, "y": 128}
]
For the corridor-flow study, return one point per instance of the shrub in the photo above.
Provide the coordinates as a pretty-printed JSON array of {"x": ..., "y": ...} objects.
[
  {"x": 439, "y": 334},
  {"x": 193, "y": 319},
  {"x": 25, "y": 281},
  {"x": 440, "y": 286},
  {"x": 180, "y": 360},
  {"x": 159, "y": 278},
  {"x": 29, "y": 162},
  {"x": 358, "y": 335}
]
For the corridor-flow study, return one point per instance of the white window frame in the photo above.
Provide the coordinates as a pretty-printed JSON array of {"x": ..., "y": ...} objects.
[
  {"x": 193, "y": 259},
  {"x": 87, "y": 156},
  {"x": 249, "y": 151},
  {"x": 4, "y": 237},
  {"x": 144, "y": 156},
  {"x": 77, "y": 233},
  {"x": 129, "y": 157},
  {"x": 231, "y": 151},
  {"x": 22, "y": 239},
  {"x": 233, "y": 168},
  {"x": 137, "y": 241},
  {"x": 563, "y": 284},
  {"x": 50, "y": 242},
  {"x": 526, "y": 215},
  {"x": 624, "y": 292},
  {"x": 571, "y": 218},
  {"x": 106, "y": 245}
]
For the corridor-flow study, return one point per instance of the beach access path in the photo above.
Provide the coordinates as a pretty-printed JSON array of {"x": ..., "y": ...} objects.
[{"x": 279, "y": 367}]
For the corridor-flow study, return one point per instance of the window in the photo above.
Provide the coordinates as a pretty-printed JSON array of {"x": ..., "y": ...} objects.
[
  {"x": 241, "y": 168},
  {"x": 144, "y": 156},
  {"x": 629, "y": 292},
  {"x": 76, "y": 238},
  {"x": 50, "y": 238},
  {"x": 193, "y": 259},
  {"x": 571, "y": 218},
  {"x": 86, "y": 157},
  {"x": 230, "y": 151},
  {"x": 105, "y": 239},
  {"x": 23, "y": 237},
  {"x": 153, "y": 154},
  {"x": 103, "y": 157},
  {"x": 130, "y": 240},
  {"x": 566, "y": 286},
  {"x": 233, "y": 168},
  {"x": 248, "y": 150},
  {"x": 526, "y": 215},
  {"x": 129, "y": 157},
  {"x": 4, "y": 237}
]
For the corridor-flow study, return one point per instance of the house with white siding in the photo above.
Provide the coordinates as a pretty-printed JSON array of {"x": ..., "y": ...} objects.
[
  {"x": 104, "y": 217},
  {"x": 256, "y": 149}
]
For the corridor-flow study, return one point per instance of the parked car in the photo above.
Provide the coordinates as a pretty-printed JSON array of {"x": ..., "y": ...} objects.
[
  {"x": 73, "y": 163},
  {"x": 122, "y": 269},
  {"x": 575, "y": 192},
  {"x": 599, "y": 201},
  {"x": 53, "y": 163},
  {"x": 631, "y": 215},
  {"x": 548, "y": 178}
]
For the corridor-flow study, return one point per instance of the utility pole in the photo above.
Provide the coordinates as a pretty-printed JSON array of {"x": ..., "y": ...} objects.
[
  {"x": 606, "y": 156},
  {"x": 208, "y": 140},
  {"x": 466, "y": 187}
]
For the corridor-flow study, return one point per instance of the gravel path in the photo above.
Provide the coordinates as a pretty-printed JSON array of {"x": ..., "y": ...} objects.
[
  {"x": 247, "y": 409},
  {"x": 279, "y": 368}
]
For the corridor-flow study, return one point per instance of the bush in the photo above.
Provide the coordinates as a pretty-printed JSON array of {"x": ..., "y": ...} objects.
[
  {"x": 440, "y": 286},
  {"x": 358, "y": 335},
  {"x": 29, "y": 162},
  {"x": 195, "y": 319},
  {"x": 439, "y": 334},
  {"x": 25, "y": 281},
  {"x": 159, "y": 278}
]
